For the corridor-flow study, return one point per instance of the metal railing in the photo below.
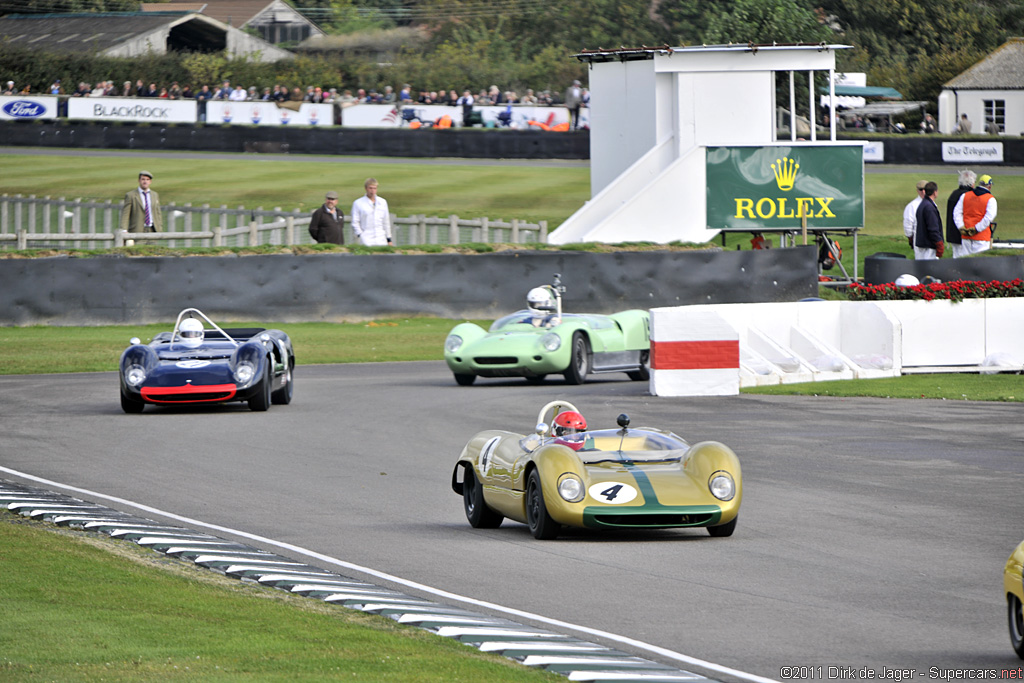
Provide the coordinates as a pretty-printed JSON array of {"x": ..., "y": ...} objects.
[{"x": 33, "y": 223}]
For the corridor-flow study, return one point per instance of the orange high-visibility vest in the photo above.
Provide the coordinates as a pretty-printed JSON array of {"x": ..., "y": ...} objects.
[{"x": 975, "y": 206}]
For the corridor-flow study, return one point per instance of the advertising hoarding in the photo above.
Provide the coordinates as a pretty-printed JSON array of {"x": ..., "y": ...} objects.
[
  {"x": 142, "y": 110},
  {"x": 27, "y": 108},
  {"x": 261, "y": 113},
  {"x": 757, "y": 189}
]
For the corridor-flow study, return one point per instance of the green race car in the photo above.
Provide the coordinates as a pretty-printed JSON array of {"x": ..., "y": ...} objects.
[{"x": 541, "y": 340}]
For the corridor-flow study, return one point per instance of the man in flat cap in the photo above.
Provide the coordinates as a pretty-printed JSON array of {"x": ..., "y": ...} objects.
[
  {"x": 141, "y": 209},
  {"x": 328, "y": 222}
]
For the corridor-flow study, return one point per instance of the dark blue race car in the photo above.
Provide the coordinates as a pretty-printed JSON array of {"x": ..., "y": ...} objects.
[{"x": 197, "y": 363}]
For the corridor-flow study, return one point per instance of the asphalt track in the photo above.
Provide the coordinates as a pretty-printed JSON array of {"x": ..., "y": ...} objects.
[{"x": 872, "y": 536}]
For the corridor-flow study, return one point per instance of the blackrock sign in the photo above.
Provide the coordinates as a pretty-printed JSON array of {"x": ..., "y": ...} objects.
[{"x": 775, "y": 188}]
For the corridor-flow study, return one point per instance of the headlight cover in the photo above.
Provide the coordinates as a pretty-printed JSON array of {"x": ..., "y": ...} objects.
[
  {"x": 244, "y": 372},
  {"x": 551, "y": 341},
  {"x": 135, "y": 375},
  {"x": 453, "y": 343},
  {"x": 722, "y": 485},
  {"x": 570, "y": 487}
]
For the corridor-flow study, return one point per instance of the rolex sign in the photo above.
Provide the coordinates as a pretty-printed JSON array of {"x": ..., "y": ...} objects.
[{"x": 775, "y": 188}]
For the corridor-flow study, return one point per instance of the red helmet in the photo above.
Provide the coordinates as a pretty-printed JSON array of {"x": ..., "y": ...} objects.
[{"x": 569, "y": 422}]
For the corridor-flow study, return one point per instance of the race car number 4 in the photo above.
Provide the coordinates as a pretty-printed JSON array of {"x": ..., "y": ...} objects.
[{"x": 612, "y": 492}]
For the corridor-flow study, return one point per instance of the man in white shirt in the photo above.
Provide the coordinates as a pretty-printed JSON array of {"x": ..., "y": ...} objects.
[
  {"x": 910, "y": 213},
  {"x": 371, "y": 222}
]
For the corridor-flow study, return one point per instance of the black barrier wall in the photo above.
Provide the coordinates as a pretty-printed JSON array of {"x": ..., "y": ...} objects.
[
  {"x": 345, "y": 287},
  {"x": 476, "y": 143},
  {"x": 396, "y": 142},
  {"x": 883, "y": 268}
]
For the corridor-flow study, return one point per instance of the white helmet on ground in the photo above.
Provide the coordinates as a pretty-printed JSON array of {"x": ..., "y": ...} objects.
[
  {"x": 540, "y": 299},
  {"x": 191, "y": 332},
  {"x": 907, "y": 280}
]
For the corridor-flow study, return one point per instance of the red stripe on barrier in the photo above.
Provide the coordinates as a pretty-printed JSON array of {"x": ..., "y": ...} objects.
[{"x": 695, "y": 355}]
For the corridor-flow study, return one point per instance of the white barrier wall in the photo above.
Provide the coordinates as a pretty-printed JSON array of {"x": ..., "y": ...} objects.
[{"x": 829, "y": 340}]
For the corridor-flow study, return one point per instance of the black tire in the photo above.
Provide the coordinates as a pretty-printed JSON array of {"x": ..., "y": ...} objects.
[
  {"x": 131, "y": 405},
  {"x": 261, "y": 400},
  {"x": 579, "y": 360},
  {"x": 723, "y": 530},
  {"x": 643, "y": 373},
  {"x": 541, "y": 525},
  {"x": 464, "y": 380},
  {"x": 283, "y": 396},
  {"x": 1016, "y": 618},
  {"x": 479, "y": 515}
]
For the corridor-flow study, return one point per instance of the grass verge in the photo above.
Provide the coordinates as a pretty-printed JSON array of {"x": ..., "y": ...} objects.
[
  {"x": 36, "y": 350},
  {"x": 82, "y": 607}
]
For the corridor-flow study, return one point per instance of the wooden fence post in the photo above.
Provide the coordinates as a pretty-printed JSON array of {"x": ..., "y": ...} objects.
[
  {"x": 453, "y": 229},
  {"x": 515, "y": 231},
  {"x": 542, "y": 235}
]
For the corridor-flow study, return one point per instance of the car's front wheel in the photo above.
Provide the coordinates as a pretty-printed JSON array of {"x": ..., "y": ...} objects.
[
  {"x": 723, "y": 530},
  {"x": 131, "y": 405},
  {"x": 579, "y": 360},
  {"x": 479, "y": 515},
  {"x": 464, "y": 380},
  {"x": 1016, "y": 616},
  {"x": 261, "y": 399},
  {"x": 283, "y": 396},
  {"x": 541, "y": 525}
]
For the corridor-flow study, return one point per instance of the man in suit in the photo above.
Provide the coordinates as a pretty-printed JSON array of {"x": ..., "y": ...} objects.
[
  {"x": 327, "y": 222},
  {"x": 141, "y": 209}
]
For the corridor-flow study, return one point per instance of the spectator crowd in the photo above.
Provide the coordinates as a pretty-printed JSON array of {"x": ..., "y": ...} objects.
[{"x": 315, "y": 94}]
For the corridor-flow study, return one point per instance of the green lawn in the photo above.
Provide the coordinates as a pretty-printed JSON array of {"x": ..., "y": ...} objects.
[{"x": 82, "y": 607}]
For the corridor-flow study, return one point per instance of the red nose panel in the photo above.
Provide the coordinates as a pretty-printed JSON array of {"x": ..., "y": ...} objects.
[{"x": 189, "y": 393}]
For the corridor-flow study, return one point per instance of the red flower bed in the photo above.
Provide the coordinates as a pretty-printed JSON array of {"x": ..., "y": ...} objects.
[{"x": 957, "y": 290}]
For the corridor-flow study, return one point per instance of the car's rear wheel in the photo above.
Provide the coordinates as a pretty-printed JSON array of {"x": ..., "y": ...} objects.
[
  {"x": 541, "y": 525},
  {"x": 261, "y": 400},
  {"x": 464, "y": 380},
  {"x": 723, "y": 530},
  {"x": 1016, "y": 615},
  {"x": 131, "y": 405},
  {"x": 283, "y": 396},
  {"x": 479, "y": 515},
  {"x": 643, "y": 373},
  {"x": 579, "y": 360}
]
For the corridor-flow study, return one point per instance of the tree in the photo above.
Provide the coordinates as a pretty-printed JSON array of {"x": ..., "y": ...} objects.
[{"x": 766, "y": 22}]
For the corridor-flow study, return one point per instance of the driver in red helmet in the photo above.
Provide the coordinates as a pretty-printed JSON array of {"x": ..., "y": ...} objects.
[{"x": 568, "y": 426}]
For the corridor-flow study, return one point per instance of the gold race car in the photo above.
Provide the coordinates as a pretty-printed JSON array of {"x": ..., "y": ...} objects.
[
  {"x": 625, "y": 478},
  {"x": 1013, "y": 587}
]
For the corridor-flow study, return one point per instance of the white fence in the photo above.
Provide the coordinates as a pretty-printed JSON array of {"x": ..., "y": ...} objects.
[{"x": 32, "y": 223}]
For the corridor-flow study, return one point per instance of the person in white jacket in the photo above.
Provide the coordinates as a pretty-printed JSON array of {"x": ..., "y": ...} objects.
[
  {"x": 910, "y": 213},
  {"x": 371, "y": 222}
]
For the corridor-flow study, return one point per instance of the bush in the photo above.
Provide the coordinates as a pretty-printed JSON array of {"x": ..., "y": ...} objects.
[{"x": 957, "y": 290}]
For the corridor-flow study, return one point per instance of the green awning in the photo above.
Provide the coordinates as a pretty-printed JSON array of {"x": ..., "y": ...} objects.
[{"x": 864, "y": 91}]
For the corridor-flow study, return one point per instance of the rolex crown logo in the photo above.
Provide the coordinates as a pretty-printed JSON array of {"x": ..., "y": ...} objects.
[{"x": 785, "y": 173}]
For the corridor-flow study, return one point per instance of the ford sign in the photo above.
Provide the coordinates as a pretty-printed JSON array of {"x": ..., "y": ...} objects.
[{"x": 24, "y": 109}]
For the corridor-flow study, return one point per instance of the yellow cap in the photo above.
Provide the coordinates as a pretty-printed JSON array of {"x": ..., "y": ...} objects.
[{"x": 985, "y": 180}]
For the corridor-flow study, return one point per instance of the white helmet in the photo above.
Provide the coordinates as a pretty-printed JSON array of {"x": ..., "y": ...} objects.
[
  {"x": 540, "y": 299},
  {"x": 907, "y": 280},
  {"x": 191, "y": 332}
]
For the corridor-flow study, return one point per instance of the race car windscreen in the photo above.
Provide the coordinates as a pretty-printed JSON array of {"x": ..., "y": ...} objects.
[{"x": 636, "y": 444}]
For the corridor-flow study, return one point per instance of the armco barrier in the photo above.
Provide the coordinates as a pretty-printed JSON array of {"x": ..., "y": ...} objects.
[
  {"x": 431, "y": 142},
  {"x": 346, "y": 287},
  {"x": 830, "y": 340}
]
